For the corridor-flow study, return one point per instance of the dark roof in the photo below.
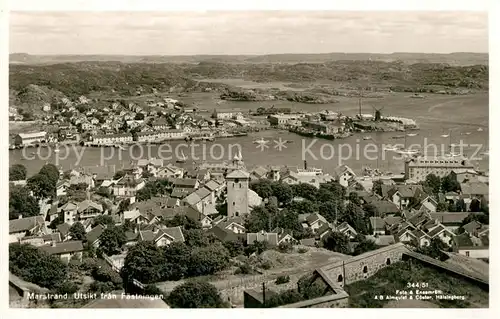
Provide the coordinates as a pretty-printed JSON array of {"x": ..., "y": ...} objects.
[
  {"x": 181, "y": 192},
  {"x": 63, "y": 229},
  {"x": 436, "y": 231},
  {"x": 323, "y": 229},
  {"x": 418, "y": 233},
  {"x": 386, "y": 189},
  {"x": 450, "y": 218},
  {"x": 407, "y": 191},
  {"x": 63, "y": 247},
  {"x": 391, "y": 220},
  {"x": 463, "y": 240},
  {"x": 377, "y": 223},
  {"x": 25, "y": 224},
  {"x": 185, "y": 182},
  {"x": 472, "y": 227},
  {"x": 385, "y": 206},
  {"x": 94, "y": 234},
  {"x": 224, "y": 234}
]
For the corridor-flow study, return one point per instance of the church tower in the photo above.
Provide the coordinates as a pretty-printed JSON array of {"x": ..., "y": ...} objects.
[{"x": 237, "y": 193}]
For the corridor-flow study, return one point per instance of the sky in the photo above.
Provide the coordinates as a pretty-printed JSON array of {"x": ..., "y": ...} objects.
[{"x": 250, "y": 32}]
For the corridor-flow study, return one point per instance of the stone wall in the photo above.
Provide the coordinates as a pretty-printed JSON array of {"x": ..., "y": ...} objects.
[{"x": 365, "y": 265}]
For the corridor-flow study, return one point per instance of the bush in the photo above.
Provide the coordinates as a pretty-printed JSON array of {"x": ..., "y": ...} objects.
[
  {"x": 282, "y": 280},
  {"x": 285, "y": 247},
  {"x": 195, "y": 294},
  {"x": 302, "y": 250},
  {"x": 104, "y": 273},
  {"x": 67, "y": 287},
  {"x": 266, "y": 265},
  {"x": 101, "y": 287},
  {"x": 244, "y": 270}
]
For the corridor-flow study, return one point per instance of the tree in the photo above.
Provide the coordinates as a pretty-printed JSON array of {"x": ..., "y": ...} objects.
[
  {"x": 283, "y": 192},
  {"x": 104, "y": 220},
  {"x": 377, "y": 187},
  {"x": 177, "y": 258},
  {"x": 442, "y": 207},
  {"x": 51, "y": 171},
  {"x": 139, "y": 117},
  {"x": 208, "y": 260},
  {"x": 432, "y": 183},
  {"x": 196, "y": 238},
  {"x": 17, "y": 172},
  {"x": 144, "y": 262},
  {"x": 435, "y": 249},
  {"x": 119, "y": 175},
  {"x": 364, "y": 246},
  {"x": 354, "y": 198},
  {"x": 337, "y": 242},
  {"x": 36, "y": 266},
  {"x": 22, "y": 203},
  {"x": 450, "y": 184},
  {"x": 41, "y": 185},
  {"x": 303, "y": 206},
  {"x": 112, "y": 239},
  {"x": 475, "y": 205},
  {"x": 235, "y": 248},
  {"x": 263, "y": 188},
  {"x": 370, "y": 210},
  {"x": 355, "y": 216},
  {"x": 77, "y": 231},
  {"x": 103, "y": 191},
  {"x": 460, "y": 205},
  {"x": 305, "y": 191},
  {"x": 124, "y": 205},
  {"x": 195, "y": 294}
]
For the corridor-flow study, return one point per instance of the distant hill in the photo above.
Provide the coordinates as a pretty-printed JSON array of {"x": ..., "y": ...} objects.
[{"x": 457, "y": 59}]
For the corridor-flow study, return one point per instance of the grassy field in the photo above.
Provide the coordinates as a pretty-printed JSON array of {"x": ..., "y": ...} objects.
[{"x": 395, "y": 277}]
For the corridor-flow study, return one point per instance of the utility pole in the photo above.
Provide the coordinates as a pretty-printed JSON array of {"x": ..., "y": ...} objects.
[{"x": 264, "y": 294}]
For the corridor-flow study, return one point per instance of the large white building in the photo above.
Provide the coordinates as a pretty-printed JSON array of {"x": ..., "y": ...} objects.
[
  {"x": 112, "y": 138},
  {"x": 30, "y": 138},
  {"x": 417, "y": 169}
]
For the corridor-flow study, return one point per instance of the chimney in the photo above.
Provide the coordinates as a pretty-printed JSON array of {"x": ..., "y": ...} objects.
[
  {"x": 305, "y": 165},
  {"x": 20, "y": 216}
]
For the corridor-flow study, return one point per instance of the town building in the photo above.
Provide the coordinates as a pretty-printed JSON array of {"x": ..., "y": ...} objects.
[
  {"x": 417, "y": 169},
  {"x": 23, "y": 139},
  {"x": 284, "y": 119},
  {"x": 112, "y": 139},
  {"x": 65, "y": 250},
  {"x": 237, "y": 193},
  {"x": 18, "y": 228}
]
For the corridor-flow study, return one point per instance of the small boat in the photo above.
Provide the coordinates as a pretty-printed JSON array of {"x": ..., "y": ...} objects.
[
  {"x": 261, "y": 141},
  {"x": 56, "y": 150},
  {"x": 452, "y": 154},
  {"x": 398, "y": 137},
  {"x": 487, "y": 153},
  {"x": 467, "y": 133},
  {"x": 407, "y": 152},
  {"x": 480, "y": 129},
  {"x": 412, "y": 134},
  {"x": 445, "y": 135},
  {"x": 390, "y": 148},
  {"x": 366, "y": 138},
  {"x": 288, "y": 142}
]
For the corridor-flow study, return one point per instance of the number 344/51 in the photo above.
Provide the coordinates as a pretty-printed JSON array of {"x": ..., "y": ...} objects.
[{"x": 417, "y": 285}]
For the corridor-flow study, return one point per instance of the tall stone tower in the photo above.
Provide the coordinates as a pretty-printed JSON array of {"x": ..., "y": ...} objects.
[{"x": 237, "y": 193}]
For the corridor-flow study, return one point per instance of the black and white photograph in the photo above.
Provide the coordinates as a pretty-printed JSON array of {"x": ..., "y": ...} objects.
[{"x": 248, "y": 159}]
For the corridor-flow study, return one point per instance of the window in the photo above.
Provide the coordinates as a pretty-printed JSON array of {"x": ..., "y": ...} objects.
[
  {"x": 340, "y": 278},
  {"x": 365, "y": 269},
  {"x": 239, "y": 184},
  {"x": 237, "y": 214},
  {"x": 234, "y": 203},
  {"x": 388, "y": 261},
  {"x": 467, "y": 254}
]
